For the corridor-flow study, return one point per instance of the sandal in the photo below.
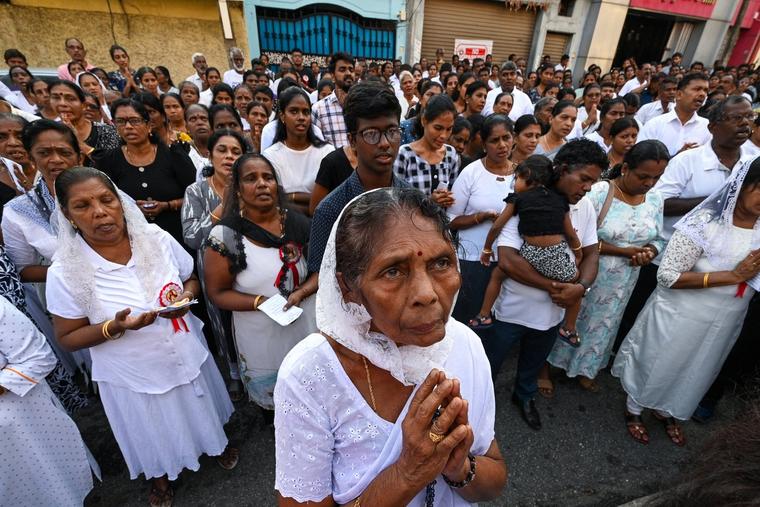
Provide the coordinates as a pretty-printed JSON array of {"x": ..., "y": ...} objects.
[
  {"x": 570, "y": 337},
  {"x": 235, "y": 390},
  {"x": 161, "y": 498},
  {"x": 229, "y": 458},
  {"x": 673, "y": 429},
  {"x": 636, "y": 428},
  {"x": 481, "y": 322},
  {"x": 545, "y": 388},
  {"x": 589, "y": 384}
]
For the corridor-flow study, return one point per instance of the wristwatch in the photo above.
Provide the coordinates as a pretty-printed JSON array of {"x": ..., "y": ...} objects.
[{"x": 586, "y": 289}]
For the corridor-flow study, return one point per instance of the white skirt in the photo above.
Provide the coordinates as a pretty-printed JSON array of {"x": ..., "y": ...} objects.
[{"x": 161, "y": 434}]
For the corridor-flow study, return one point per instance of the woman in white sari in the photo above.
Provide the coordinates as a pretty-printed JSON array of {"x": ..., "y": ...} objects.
[
  {"x": 392, "y": 404},
  {"x": 687, "y": 328}
]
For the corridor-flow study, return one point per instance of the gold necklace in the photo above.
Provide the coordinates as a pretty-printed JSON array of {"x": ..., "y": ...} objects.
[
  {"x": 623, "y": 194},
  {"x": 213, "y": 187},
  {"x": 369, "y": 383}
]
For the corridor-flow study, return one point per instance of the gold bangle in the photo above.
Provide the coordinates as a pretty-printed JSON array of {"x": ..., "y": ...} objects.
[
  {"x": 600, "y": 246},
  {"x": 214, "y": 216},
  {"x": 705, "y": 280},
  {"x": 487, "y": 251},
  {"x": 477, "y": 222},
  {"x": 104, "y": 331},
  {"x": 256, "y": 302},
  {"x": 577, "y": 249}
]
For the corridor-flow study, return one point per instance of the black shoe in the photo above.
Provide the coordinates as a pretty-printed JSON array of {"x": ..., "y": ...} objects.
[{"x": 528, "y": 412}]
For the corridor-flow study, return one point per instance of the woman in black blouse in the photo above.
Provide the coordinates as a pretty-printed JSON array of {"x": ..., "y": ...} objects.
[
  {"x": 152, "y": 173},
  {"x": 68, "y": 100}
]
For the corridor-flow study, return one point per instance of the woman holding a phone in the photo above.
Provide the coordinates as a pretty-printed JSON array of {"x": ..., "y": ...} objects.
[{"x": 151, "y": 173}]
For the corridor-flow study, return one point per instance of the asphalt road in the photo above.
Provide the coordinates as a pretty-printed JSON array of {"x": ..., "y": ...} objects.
[{"x": 583, "y": 456}]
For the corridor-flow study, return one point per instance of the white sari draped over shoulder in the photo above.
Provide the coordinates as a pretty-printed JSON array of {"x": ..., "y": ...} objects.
[{"x": 329, "y": 441}]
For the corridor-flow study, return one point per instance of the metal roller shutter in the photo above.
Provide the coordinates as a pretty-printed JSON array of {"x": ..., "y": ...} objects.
[
  {"x": 556, "y": 45},
  {"x": 446, "y": 20}
]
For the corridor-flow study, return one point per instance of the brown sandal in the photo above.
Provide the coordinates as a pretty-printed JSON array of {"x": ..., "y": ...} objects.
[
  {"x": 673, "y": 429},
  {"x": 161, "y": 498},
  {"x": 229, "y": 458},
  {"x": 636, "y": 428},
  {"x": 545, "y": 388}
]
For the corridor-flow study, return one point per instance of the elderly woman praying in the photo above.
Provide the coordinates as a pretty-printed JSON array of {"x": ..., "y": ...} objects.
[{"x": 392, "y": 403}]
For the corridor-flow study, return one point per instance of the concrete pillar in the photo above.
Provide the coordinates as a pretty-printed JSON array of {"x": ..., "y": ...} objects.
[
  {"x": 415, "y": 18},
  {"x": 601, "y": 33},
  {"x": 539, "y": 37},
  {"x": 251, "y": 28},
  {"x": 710, "y": 41}
]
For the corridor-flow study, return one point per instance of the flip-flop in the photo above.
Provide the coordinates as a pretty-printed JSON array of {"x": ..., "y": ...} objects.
[
  {"x": 635, "y": 426},
  {"x": 673, "y": 429},
  {"x": 165, "y": 498},
  {"x": 567, "y": 336},
  {"x": 479, "y": 322}
]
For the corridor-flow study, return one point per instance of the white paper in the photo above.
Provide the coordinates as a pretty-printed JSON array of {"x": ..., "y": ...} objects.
[{"x": 273, "y": 307}]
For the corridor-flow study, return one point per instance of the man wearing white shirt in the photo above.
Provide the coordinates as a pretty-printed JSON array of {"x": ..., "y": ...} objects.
[
  {"x": 521, "y": 103},
  {"x": 682, "y": 129},
  {"x": 665, "y": 103},
  {"x": 530, "y": 307},
  {"x": 689, "y": 178},
  {"x": 200, "y": 66},
  {"x": 639, "y": 82},
  {"x": 234, "y": 76},
  {"x": 563, "y": 64}
]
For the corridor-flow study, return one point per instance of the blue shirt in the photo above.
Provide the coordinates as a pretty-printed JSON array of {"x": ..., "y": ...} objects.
[{"x": 327, "y": 213}]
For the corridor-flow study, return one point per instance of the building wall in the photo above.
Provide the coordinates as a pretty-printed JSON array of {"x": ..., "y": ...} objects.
[
  {"x": 550, "y": 21},
  {"x": 163, "y": 32},
  {"x": 375, "y": 9},
  {"x": 601, "y": 33}
]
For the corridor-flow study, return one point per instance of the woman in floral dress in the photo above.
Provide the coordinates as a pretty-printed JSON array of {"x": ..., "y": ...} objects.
[{"x": 629, "y": 237}]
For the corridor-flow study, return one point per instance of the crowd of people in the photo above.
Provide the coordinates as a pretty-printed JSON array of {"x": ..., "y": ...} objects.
[{"x": 413, "y": 224}]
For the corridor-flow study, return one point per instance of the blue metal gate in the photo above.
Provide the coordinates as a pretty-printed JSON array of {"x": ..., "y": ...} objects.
[{"x": 319, "y": 31}]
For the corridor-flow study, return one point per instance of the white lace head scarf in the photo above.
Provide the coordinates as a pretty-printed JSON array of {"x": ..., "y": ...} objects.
[
  {"x": 103, "y": 89},
  {"x": 79, "y": 273},
  {"x": 348, "y": 323},
  {"x": 711, "y": 224}
]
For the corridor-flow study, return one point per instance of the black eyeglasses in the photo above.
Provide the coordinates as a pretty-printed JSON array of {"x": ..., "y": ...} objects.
[
  {"x": 372, "y": 135},
  {"x": 122, "y": 122}
]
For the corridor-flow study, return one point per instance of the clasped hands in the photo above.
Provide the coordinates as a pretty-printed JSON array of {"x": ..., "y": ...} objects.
[{"x": 436, "y": 445}]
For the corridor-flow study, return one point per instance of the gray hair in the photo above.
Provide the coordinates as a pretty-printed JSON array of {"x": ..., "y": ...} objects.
[
  {"x": 508, "y": 65},
  {"x": 198, "y": 55},
  {"x": 234, "y": 50},
  {"x": 363, "y": 222},
  {"x": 542, "y": 103}
]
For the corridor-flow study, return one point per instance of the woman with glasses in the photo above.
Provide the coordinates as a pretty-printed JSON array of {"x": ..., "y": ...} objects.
[
  {"x": 153, "y": 174},
  {"x": 69, "y": 101}
]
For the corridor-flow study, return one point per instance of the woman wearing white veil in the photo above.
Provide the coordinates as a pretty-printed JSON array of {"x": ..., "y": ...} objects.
[
  {"x": 161, "y": 390},
  {"x": 687, "y": 328},
  {"x": 392, "y": 404},
  {"x": 91, "y": 83}
]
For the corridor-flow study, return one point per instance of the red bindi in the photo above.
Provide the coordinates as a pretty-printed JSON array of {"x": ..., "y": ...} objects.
[{"x": 419, "y": 253}]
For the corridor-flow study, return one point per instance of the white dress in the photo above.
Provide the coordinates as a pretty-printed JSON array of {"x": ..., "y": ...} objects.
[
  {"x": 682, "y": 337},
  {"x": 44, "y": 461},
  {"x": 297, "y": 169},
  {"x": 161, "y": 390},
  {"x": 261, "y": 343},
  {"x": 329, "y": 441}
]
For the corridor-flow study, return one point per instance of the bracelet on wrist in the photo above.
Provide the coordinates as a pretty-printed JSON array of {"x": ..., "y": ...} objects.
[
  {"x": 256, "y": 302},
  {"x": 487, "y": 251},
  {"x": 468, "y": 479},
  {"x": 706, "y": 280}
]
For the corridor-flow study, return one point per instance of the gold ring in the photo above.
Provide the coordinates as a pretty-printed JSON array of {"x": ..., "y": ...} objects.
[{"x": 436, "y": 437}]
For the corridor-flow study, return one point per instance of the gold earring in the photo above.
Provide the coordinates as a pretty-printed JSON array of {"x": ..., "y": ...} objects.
[{"x": 73, "y": 225}]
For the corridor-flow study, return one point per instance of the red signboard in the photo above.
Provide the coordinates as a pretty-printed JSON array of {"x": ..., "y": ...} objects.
[{"x": 688, "y": 8}]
